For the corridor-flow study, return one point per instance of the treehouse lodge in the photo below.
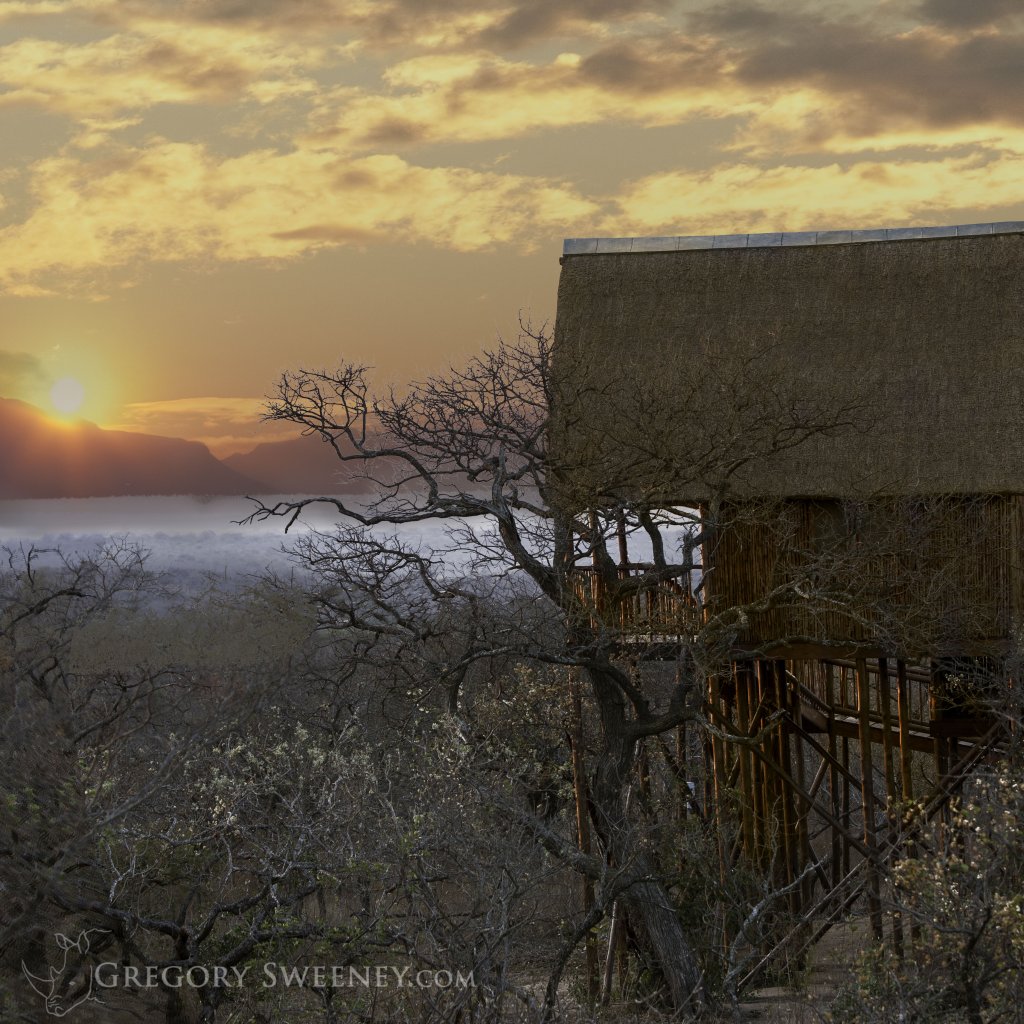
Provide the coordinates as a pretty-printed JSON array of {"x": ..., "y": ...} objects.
[{"x": 843, "y": 410}]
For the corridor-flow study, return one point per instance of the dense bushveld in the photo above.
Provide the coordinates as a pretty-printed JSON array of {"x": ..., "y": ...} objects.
[{"x": 229, "y": 784}]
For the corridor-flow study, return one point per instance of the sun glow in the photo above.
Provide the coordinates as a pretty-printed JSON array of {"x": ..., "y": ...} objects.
[{"x": 67, "y": 395}]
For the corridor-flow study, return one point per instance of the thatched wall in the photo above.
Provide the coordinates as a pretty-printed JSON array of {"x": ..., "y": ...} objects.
[
  {"x": 933, "y": 576},
  {"x": 821, "y": 370}
]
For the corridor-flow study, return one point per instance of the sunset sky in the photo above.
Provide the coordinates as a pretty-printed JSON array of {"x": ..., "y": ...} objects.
[{"x": 198, "y": 194}]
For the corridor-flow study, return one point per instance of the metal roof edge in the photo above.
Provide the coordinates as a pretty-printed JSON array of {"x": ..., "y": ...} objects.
[{"x": 677, "y": 243}]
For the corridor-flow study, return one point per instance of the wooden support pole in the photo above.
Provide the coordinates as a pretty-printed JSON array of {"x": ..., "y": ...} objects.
[
  {"x": 827, "y": 674},
  {"x": 835, "y": 779},
  {"x": 854, "y": 780},
  {"x": 742, "y": 677},
  {"x": 903, "y": 703},
  {"x": 906, "y": 759},
  {"x": 770, "y": 780},
  {"x": 802, "y": 840},
  {"x": 789, "y": 831},
  {"x": 582, "y": 824},
  {"x": 778, "y": 772},
  {"x": 759, "y": 816},
  {"x": 761, "y": 829},
  {"x": 718, "y": 757},
  {"x": 847, "y": 810},
  {"x": 868, "y": 792},
  {"x": 939, "y": 744},
  {"x": 885, "y": 707}
]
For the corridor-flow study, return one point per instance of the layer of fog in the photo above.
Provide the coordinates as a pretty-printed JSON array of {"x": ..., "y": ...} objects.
[{"x": 194, "y": 542}]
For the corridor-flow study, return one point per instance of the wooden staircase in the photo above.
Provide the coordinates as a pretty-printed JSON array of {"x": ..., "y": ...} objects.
[{"x": 841, "y": 769}]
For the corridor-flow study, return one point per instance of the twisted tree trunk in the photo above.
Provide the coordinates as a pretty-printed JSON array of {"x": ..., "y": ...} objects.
[{"x": 650, "y": 907}]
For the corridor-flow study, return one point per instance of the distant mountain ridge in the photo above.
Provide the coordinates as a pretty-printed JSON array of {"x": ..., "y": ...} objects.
[
  {"x": 41, "y": 458},
  {"x": 300, "y": 465}
]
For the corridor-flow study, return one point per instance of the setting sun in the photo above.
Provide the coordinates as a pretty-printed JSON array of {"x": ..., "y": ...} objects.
[{"x": 67, "y": 395}]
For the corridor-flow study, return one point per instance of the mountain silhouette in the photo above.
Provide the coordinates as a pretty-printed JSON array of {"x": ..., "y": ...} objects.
[
  {"x": 40, "y": 458},
  {"x": 301, "y": 465}
]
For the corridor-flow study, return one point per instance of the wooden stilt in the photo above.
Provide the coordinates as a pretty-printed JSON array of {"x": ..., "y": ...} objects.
[
  {"x": 903, "y": 702},
  {"x": 835, "y": 781},
  {"x": 582, "y": 824},
  {"x": 888, "y": 761},
  {"x": 868, "y": 793},
  {"x": 939, "y": 746},
  {"x": 847, "y": 810},
  {"x": 843, "y": 701},
  {"x": 906, "y": 760},
  {"x": 718, "y": 757},
  {"x": 789, "y": 846},
  {"x": 802, "y": 809},
  {"x": 759, "y": 784},
  {"x": 771, "y": 787},
  {"x": 885, "y": 709},
  {"x": 742, "y": 677},
  {"x": 778, "y": 772},
  {"x": 717, "y": 754}
]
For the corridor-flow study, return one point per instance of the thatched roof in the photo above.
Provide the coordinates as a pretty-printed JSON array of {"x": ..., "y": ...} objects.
[{"x": 826, "y": 364}]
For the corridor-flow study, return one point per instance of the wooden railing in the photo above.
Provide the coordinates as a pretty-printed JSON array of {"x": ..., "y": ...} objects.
[
  {"x": 661, "y": 608},
  {"x": 832, "y": 682}
]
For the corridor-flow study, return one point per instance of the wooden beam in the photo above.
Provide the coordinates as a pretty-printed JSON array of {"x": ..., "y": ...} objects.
[
  {"x": 903, "y": 704},
  {"x": 742, "y": 677},
  {"x": 803, "y": 842},
  {"x": 789, "y": 814},
  {"x": 772, "y": 767},
  {"x": 847, "y": 809},
  {"x": 885, "y": 708},
  {"x": 583, "y": 825},
  {"x": 718, "y": 759},
  {"x": 867, "y": 789},
  {"x": 834, "y": 776},
  {"x": 952, "y": 728},
  {"x": 851, "y": 730},
  {"x": 843, "y": 767}
]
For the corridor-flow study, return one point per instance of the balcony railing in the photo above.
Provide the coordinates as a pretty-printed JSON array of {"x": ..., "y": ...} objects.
[{"x": 664, "y": 608}]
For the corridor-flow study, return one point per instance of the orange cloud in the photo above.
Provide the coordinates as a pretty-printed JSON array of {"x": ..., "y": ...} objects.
[
  {"x": 11, "y": 9},
  {"x": 136, "y": 71},
  {"x": 326, "y": 92},
  {"x": 748, "y": 198},
  {"x": 475, "y": 97},
  {"x": 176, "y": 201},
  {"x": 382, "y": 24}
]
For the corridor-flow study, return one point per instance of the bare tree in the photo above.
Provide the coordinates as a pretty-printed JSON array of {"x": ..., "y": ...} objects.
[
  {"x": 467, "y": 459},
  {"x": 194, "y": 815}
]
